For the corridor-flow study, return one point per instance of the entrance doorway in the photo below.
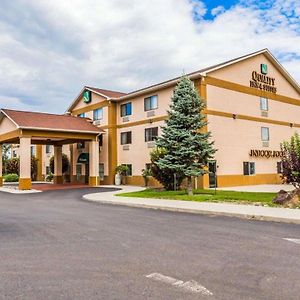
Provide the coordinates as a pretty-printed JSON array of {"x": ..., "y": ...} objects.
[{"x": 212, "y": 174}]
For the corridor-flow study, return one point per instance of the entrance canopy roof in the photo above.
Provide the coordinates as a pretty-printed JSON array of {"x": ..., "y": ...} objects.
[{"x": 45, "y": 128}]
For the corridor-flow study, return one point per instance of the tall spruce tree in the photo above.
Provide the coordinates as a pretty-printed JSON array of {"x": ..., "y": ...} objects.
[{"x": 188, "y": 146}]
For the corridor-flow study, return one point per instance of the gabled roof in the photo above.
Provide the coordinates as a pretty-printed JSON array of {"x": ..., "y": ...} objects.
[
  {"x": 205, "y": 71},
  {"x": 107, "y": 94},
  {"x": 51, "y": 122}
]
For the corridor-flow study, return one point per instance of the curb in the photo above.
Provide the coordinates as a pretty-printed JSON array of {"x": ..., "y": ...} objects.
[{"x": 197, "y": 211}]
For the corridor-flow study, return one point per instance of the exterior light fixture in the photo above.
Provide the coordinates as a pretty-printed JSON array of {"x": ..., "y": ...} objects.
[{"x": 234, "y": 116}]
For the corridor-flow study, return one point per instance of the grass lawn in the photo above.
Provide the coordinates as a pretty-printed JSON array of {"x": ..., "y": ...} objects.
[{"x": 207, "y": 195}]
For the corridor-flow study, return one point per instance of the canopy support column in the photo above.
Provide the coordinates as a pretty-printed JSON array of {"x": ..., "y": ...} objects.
[
  {"x": 94, "y": 163},
  {"x": 25, "y": 163},
  {"x": 58, "y": 178}
]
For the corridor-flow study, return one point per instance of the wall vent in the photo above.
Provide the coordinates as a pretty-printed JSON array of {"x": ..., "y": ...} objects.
[
  {"x": 126, "y": 147},
  {"x": 264, "y": 113},
  {"x": 265, "y": 144},
  {"x": 150, "y": 113},
  {"x": 151, "y": 144},
  {"x": 125, "y": 119}
]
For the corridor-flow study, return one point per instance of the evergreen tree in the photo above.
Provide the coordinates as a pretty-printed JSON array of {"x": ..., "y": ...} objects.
[{"x": 187, "y": 146}]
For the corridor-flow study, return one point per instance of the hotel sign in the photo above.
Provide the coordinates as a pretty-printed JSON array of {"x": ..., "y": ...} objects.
[
  {"x": 87, "y": 96},
  {"x": 262, "y": 81},
  {"x": 265, "y": 153}
]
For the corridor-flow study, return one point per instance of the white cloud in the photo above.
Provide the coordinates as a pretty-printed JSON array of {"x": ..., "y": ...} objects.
[
  {"x": 50, "y": 49},
  {"x": 218, "y": 10}
]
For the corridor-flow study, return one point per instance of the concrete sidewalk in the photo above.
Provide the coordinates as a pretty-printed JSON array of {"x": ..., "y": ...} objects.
[{"x": 226, "y": 209}]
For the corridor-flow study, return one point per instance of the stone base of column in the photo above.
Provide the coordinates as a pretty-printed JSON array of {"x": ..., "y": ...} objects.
[
  {"x": 73, "y": 178},
  {"x": 93, "y": 181},
  {"x": 1, "y": 181},
  {"x": 58, "y": 180},
  {"x": 25, "y": 184}
]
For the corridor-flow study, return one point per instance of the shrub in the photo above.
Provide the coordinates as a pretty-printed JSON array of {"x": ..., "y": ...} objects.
[
  {"x": 122, "y": 170},
  {"x": 49, "y": 177},
  {"x": 12, "y": 166},
  {"x": 291, "y": 161},
  {"x": 165, "y": 176},
  {"x": 65, "y": 164},
  {"x": 11, "y": 178},
  {"x": 146, "y": 173}
]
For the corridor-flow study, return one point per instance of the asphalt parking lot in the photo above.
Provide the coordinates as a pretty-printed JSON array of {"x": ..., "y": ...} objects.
[{"x": 53, "y": 245}]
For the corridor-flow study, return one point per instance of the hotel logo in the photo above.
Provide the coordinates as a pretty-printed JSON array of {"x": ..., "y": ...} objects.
[{"x": 261, "y": 81}]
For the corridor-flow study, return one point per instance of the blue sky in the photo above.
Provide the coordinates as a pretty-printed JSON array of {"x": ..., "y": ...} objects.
[{"x": 50, "y": 49}]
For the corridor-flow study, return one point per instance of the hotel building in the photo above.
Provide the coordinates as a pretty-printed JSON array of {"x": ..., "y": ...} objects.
[{"x": 252, "y": 105}]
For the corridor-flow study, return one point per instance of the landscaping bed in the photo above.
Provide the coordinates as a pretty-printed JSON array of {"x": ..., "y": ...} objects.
[{"x": 254, "y": 198}]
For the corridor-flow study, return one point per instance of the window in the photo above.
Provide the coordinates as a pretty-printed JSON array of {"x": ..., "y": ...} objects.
[
  {"x": 148, "y": 166},
  {"x": 101, "y": 171},
  {"x": 126, "y": 109},
  {"x": 48, "y": 149},
  {"x": 125, "y": 138},
  {"x": 151, "y": 134},
  {"x": 150, "y": 103},
  {"x": 265, "y": 134},
  {"x": 279, "y": 167},
  {"x": 264, "y": 104},
  {"x": 249, "y": 168},
  {"x": 98, "y": 114},
  {"x": 14, "y": 153},
  {"x": 129, "y": 172},
  {"x": 81, "y": 115}
]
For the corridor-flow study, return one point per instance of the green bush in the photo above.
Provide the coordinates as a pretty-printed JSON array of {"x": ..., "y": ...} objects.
[
  {"x": 49, "y": 177},
  {"x": 11, "y": 178},
  {"x": 165, "y": 176},
  {"x": 65, "y": 164},
  {"x": 12, "y": 166}
]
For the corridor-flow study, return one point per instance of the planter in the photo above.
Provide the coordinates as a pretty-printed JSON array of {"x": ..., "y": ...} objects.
[{"x": 118, "y": 179}]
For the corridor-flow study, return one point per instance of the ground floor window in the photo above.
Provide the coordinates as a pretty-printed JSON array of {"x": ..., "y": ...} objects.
[
  {"x": 129, "y": 172},
  {"x": 249, "y": 168},
  {"x": 101, "y": 171}
]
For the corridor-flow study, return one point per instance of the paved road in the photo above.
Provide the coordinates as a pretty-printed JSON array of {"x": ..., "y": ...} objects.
[{"x": 55, "y": 246}]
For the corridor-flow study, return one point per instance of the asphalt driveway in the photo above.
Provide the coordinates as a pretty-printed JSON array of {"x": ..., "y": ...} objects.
[{"x": 53, "y": 245}]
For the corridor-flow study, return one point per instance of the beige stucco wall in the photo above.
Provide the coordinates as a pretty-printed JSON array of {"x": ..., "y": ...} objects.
[
  {"x": 235, "y": 138},
  {"x": 95, "y": 99},
  {"x": 138, "y": 112},
  {"x": 7, "y": 125},
  {"x": 138, "y": 153},
  {"x": 223, "y": 100},
  {"x": 241, "y": 73}
]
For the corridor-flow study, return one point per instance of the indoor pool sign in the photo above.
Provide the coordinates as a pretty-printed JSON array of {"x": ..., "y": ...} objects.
[
  {"x": 87, "y": 96},
  {"x": 261, "y": 81}
]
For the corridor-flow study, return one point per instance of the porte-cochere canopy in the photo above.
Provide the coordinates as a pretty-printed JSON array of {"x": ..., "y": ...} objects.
[{"x": 33, "y": 128}]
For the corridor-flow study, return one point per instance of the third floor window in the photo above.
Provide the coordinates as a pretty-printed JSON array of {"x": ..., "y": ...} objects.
[
  {"x": 150, "y": 103},
  {"x": 126, "y": 109}
]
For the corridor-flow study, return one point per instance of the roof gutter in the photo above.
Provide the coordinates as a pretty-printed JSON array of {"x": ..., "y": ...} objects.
[
  {"x": 158, "y": 86},
  {"x": 63, "y": 130}
]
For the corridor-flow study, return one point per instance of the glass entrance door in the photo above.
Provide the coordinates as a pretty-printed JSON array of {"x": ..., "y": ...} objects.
[{"x": 212, "y": 174}]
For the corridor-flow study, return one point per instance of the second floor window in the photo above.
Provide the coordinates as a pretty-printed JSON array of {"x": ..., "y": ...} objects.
[
  {"x": 98, "y": 114},
  {"x": 265, "y": 136},
  {"x": 151, "y": 134},
  {"x": 150, "y": 103},
  {"x": 264, "y": 104},
  {"x": 126, "y": 109},
  {"x": 125, "y": 138}
]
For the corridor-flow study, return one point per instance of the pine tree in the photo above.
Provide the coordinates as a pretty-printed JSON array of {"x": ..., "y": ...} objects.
[{"x": 188, "y": 148}]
